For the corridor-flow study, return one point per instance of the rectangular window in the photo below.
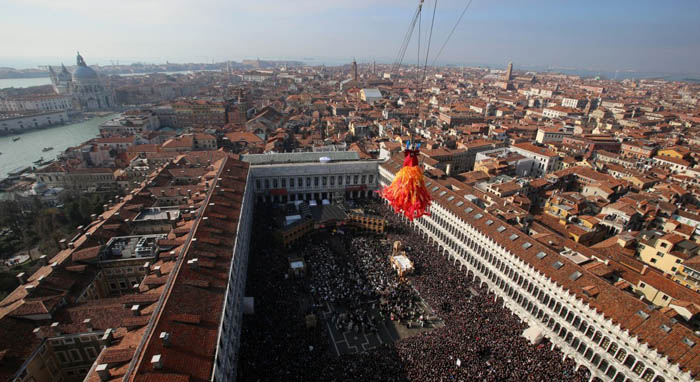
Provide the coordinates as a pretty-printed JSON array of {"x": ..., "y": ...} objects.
[
  {"x": 347, "y": 180},
  {"x": 340, "y": 180},
  {"x": 62, "y": 356},
  {"x": 371, "y": 179},
  {"x": 267, "y": 183},
  {"x": 257, "y": 184},
  {"x": 291, "y": 182},
  {"x": 315, "y": 181},
  {"x": 324, "y": 180},
  {"x": 332, "y": 181},
  {"x": 300, "y": 182},
  {"x": 274, "y": 183},
  {"x": 308, "y": 182},
  {"x": 364, "y": 179},
  {"x": 91, "y": 352},
  {"x": 355, "y": 179},
  {"x": 75, "y": 355},
  {"x": 284, "y": 183}
]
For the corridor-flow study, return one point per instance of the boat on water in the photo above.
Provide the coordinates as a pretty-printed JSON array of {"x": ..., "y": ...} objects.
[
  {"x": 45, "y": 149},
  {"x": 38, "y": 161},
  {"x": 15, "y": 139}
]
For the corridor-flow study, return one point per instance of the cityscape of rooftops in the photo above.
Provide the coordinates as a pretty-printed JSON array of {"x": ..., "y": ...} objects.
[{"x": 423, "y": 190}]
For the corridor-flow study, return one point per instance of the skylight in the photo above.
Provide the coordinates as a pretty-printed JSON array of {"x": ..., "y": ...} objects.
[
  {"x": 665, "y": 328},
  {"x": 643, "y": 314},
  {"x": 526, "y": 245},
  {"x": 468, "y": 210},
  {"x": 541, "y": 255},
  {"x": 442, "y": 193},
  {"x": 459, "y": 204},
  {"x": 450, "y": 198},
  {"x": 489, "y": 222},
  {"x": 575, "y": 276},
  {"x": 435, "y": 188},
  {"x": 688, "y": 341},
  {"x": 513, "y": 237},
  {"x": 558, "y": 265},
  {"x": 501, "y": 229},
  {"x": 478, "y": 216}
]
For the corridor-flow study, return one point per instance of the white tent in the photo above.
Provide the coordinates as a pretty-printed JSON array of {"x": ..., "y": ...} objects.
[{"x": 533, "y": 334}]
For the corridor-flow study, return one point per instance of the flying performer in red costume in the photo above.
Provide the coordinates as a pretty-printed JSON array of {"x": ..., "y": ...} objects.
[{"x": 407, "y": 193}]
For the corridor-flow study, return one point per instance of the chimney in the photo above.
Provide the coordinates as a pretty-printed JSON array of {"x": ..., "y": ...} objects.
[
  {"x": 165, "y": 337},
  {"x": 88, "y": 324},
  {"x": 63, "y": 244},
  {"x": 43, "y": 260},
  {"x": 147, "y": 267},
  {"x": 102, "y": 372},
  {"x": 135, "y": 310},
  {"x": 156, "y": 362},
  {"x": 106, "y": 339},
  {"x": 71, "y": 245},
  {"x": 644, "y": 269},
  {"x": 38, "y": 333},
  {"x": 93, "y": 217},
  {"x": 448, "y": 169},
  {"x": 194, "y": 263},
  {"x": 55, "y": 329},
  {"x": 22, "y": 277},
  {"x": 157, "y": 271}
]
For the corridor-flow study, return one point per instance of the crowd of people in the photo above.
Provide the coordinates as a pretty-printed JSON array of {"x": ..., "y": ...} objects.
[
  {"x": 358, "y": 285},
  {"x": 480, "y": 341}
]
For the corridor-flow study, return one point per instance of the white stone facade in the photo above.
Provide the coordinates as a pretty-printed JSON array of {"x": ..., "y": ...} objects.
[
  {"x": 579, "y": 331},
  {"x": 229, "y": 338}
]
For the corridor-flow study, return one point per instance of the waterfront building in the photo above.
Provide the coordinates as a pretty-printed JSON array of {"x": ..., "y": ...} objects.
[
  {"x": 18, "y": 121},
  {"x": 84, "y": 85},
  {"x": 41, "y": 102}
]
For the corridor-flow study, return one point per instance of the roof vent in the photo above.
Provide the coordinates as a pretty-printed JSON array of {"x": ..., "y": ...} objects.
[
  {"x": 165, "y": 337},
  {"x": 103, "y": 372},
  {"x": 156, "y": 362},
  {"x": 88, "y": 324},
  {"x": 106, "y": 339},
  {"x": 135, "y": 310}
]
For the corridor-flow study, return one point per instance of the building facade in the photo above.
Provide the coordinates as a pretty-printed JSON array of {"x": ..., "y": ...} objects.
[
  {"x": 84, "y": 86},
  {"x": 302, "y": 176},
  {"x": 556, "y": 296}
]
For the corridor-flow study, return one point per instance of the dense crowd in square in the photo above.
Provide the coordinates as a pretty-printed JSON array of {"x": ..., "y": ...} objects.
[{"x": 481, "y": 339}]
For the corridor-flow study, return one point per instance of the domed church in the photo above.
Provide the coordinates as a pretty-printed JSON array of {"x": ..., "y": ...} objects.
[{"x": 84, "y": 85}]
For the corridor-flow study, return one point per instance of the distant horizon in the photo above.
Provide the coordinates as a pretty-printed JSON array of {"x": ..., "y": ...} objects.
[
  {"x": 641, "y": 36},
  {"x": 38, "y": 62}
]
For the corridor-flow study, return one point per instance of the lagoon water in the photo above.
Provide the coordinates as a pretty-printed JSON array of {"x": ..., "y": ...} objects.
[{"x": 22, "y": 153}]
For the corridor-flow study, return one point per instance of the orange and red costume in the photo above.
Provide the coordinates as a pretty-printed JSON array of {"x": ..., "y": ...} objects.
[{"x": 407, "y": 193}]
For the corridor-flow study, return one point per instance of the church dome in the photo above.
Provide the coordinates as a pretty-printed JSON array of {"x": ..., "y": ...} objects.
[{"x": 84, "y": 73}]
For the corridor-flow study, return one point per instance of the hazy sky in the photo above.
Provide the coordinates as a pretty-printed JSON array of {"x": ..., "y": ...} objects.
[{"x": 658, "y": 35}]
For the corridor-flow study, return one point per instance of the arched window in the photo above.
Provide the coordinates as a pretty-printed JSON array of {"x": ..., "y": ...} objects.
[
  {"x": 648, "y": 375},
  {"x": 638, "y": 368}
]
